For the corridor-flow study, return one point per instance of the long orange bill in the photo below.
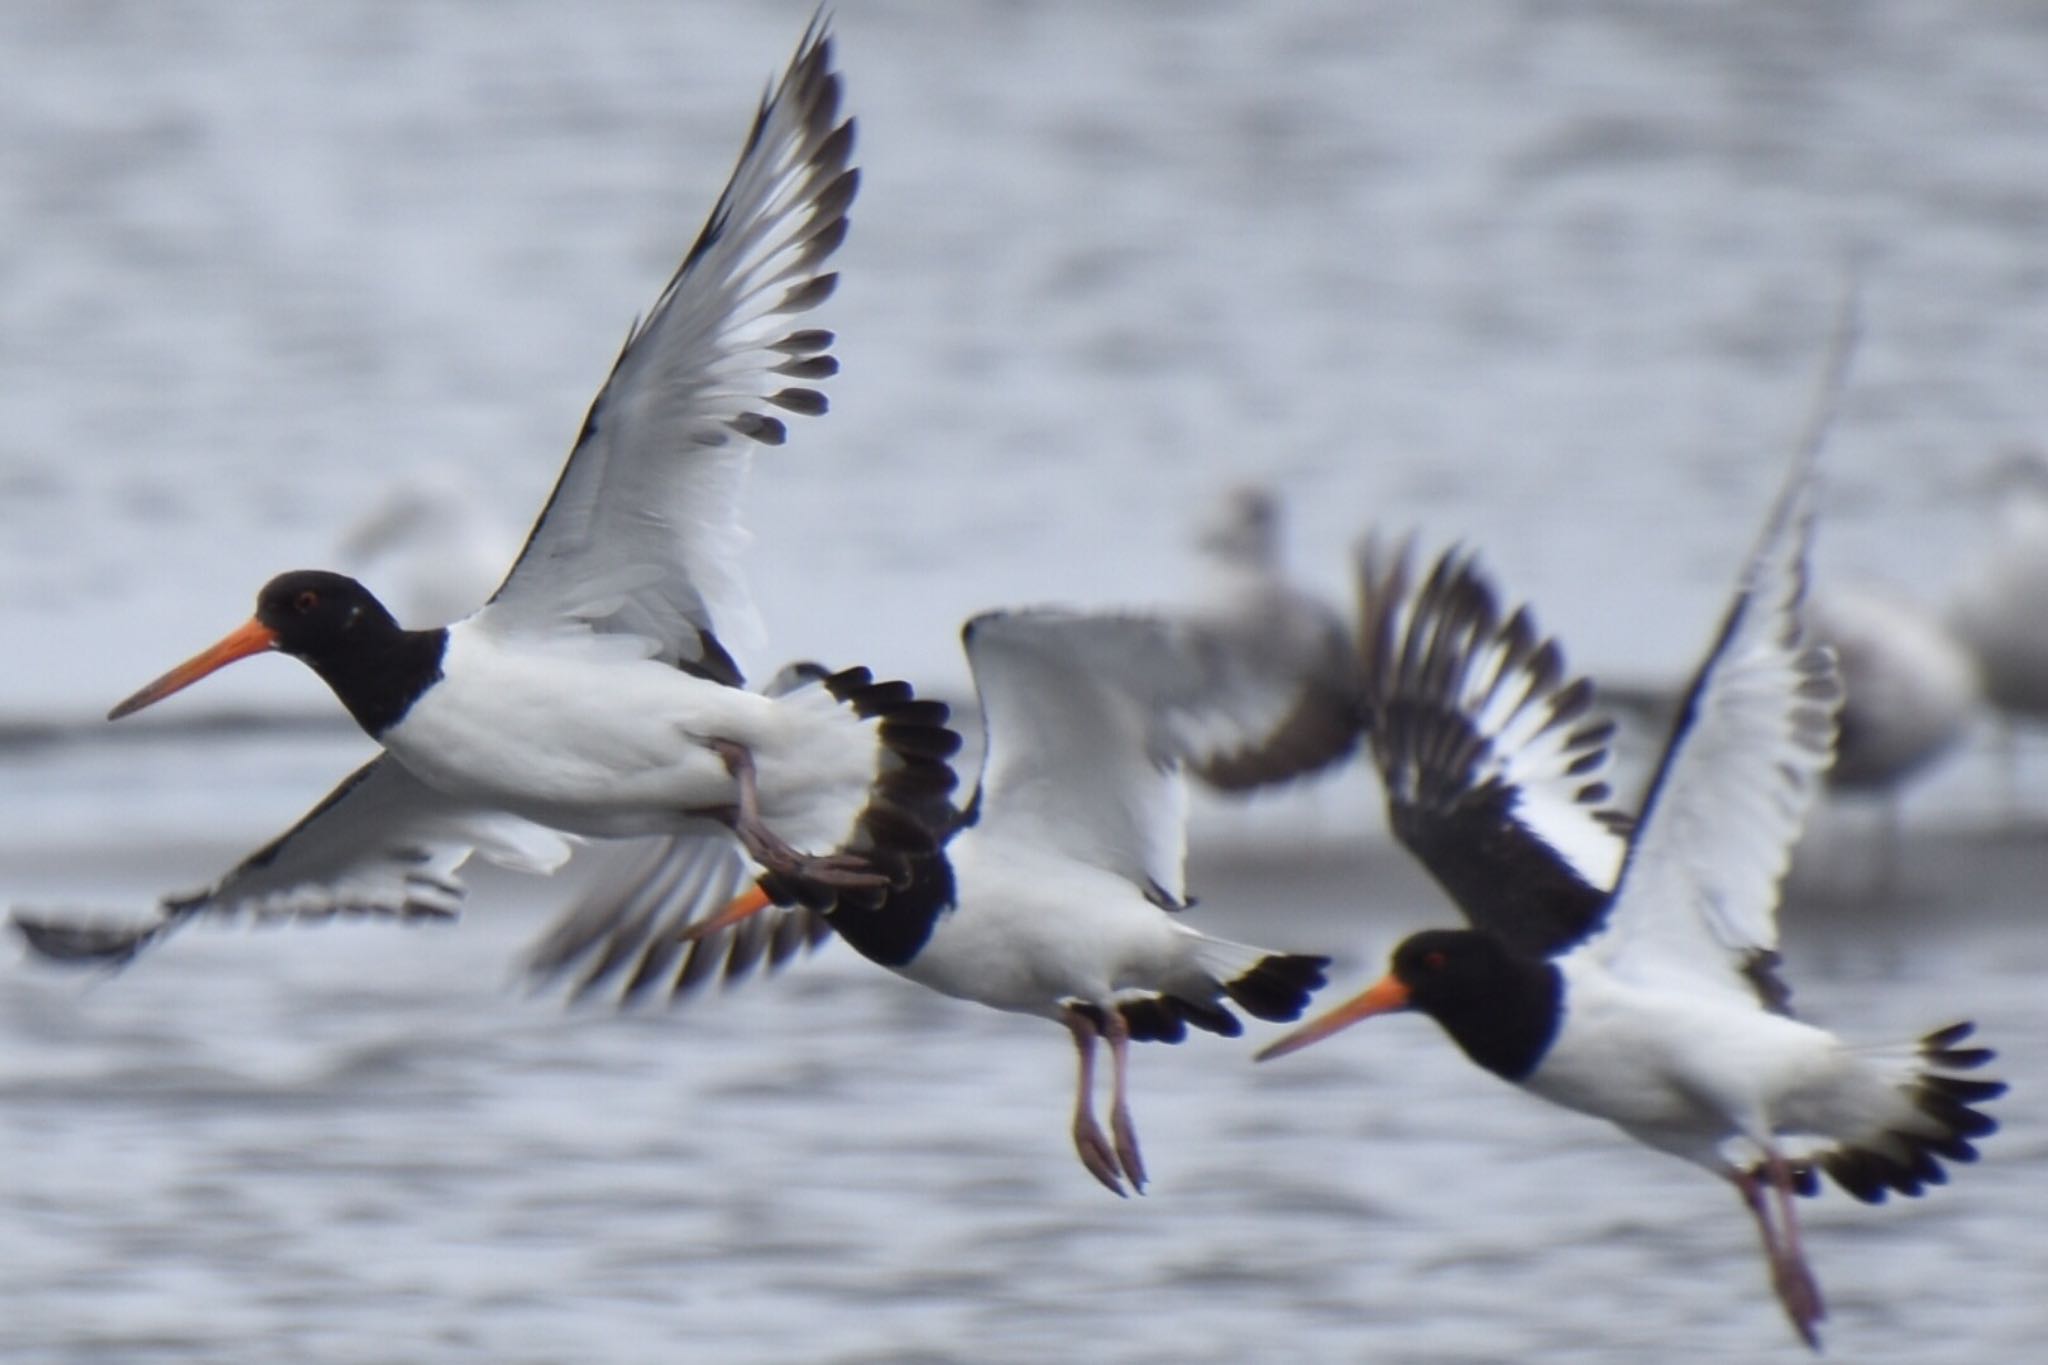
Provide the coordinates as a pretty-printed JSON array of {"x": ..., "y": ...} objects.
[
  {"x": 752, "y": 901},
  {"x": 1385, "y": 996},
  {"x": 253, "y": 638}
]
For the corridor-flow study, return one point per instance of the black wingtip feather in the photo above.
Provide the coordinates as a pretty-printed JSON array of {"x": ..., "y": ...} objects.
[
  {"x": 85, "y": 942},
  {"x": 1446, "y": 670},
  {"x": 808, "y": 402},
  {"x": 807, "y": 341},
  {"x": 769, "y": 431},
  {"x": 807, "y": 367},
  {"x": 807, "y": 294}
]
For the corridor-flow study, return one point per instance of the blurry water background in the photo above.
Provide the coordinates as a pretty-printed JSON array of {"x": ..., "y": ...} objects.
[{"x": 1555, "y": 277}]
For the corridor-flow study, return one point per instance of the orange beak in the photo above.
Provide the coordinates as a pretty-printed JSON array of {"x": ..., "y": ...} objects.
[
  {"x": 750, "y": 902},
  {"x": 253, "y": 638},
  {"x": 1386, "y": 996}
]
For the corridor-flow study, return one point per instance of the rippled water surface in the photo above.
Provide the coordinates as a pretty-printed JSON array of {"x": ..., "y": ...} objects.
[{"x": 1553, "y": 277}]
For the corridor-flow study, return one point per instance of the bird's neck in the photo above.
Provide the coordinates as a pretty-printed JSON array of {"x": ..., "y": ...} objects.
[
  {"x": 1508, "y": 1028},
  {"x": 378, "y": 679}
]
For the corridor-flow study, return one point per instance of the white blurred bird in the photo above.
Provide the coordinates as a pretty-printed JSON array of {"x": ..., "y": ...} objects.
[
  {"x": 1248, "y": 597},
  {"x": 435, "y": 544}
]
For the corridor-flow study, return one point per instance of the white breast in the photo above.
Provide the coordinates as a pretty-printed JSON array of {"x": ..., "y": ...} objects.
[
  {"x": 1033, "y": 929},
  {"x": 585, "y": 739}
]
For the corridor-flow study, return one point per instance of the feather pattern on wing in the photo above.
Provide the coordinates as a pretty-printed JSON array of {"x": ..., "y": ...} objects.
[
  {"x": 380, "y": 844},
  {"x": 1698, "y": 895},
  {"x": 634, "y": 918},
  {"x": 1493, "y": 759},
  {"x": 641, "y": 536}
]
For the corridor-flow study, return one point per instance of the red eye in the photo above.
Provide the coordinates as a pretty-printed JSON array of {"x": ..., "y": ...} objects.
[
  {"x": 1435, "y": 960},
  {"x": 306, "y": 601}
]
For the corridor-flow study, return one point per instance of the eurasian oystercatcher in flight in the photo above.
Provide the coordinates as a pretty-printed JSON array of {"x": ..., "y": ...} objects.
[
  {"x": 591, "y": 695},
  {"x": 1055, "y": 891},
  {"x": 1657, "y": 1006}
]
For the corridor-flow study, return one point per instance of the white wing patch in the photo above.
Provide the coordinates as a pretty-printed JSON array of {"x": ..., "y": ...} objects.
[
  {"x": 642, "y": 534},
  {"x": 1090, "y": 720},
  {"x": 1699, "y": 893}
]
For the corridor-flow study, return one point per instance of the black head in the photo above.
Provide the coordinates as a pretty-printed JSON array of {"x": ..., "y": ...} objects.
[
  {"x": 333, "y": 623},
  {"x": 1444, "y": 968},
  {"x": 314, "y": 614},
  {"x": 1501, "y": 1006}
]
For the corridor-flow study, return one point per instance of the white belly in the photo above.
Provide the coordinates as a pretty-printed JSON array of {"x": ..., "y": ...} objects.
[
  {"x": 1680, "y": 1073},
  {"x": 1032, "y": 931},
  {"x": 597, "y": 744}
]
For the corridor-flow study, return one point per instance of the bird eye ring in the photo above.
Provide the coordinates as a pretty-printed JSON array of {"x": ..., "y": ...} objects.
[
  {"x": 1435, "y": 960},
  {"x": 306, "y": 601}
]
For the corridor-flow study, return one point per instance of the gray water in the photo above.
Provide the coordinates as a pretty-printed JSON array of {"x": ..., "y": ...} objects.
[{"x": 1553, "y": 277}]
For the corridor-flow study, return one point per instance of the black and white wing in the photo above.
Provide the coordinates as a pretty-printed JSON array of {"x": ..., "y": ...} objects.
[
  {"x": 1091, "y": 719},
  {"x": 631, "y": 930},
  {"x": 1252, "y": 599},
  {"x": 1492, "y": 758},
  {"x": 1698, "y": 896},
  {"x": 641, "y": 536},
  {"x": 380, "y": 844}
]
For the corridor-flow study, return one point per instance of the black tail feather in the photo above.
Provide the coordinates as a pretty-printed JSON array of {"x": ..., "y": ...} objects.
[
  {"x": 1278, "y": 986},
  {"x": 1908, "y": 1159}
]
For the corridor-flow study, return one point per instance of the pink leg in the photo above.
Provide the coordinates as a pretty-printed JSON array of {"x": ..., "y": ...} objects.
[
  {"x": 770, "y": 849},
  {"x": 1089, "y": 1141},
  {"x": 1119, "y": 1033},
  {"x": 1804, "y": 1301},
  {"x": 1794, "y": 1284}
]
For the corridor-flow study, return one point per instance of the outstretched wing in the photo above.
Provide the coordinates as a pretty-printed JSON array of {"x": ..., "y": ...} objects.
[
  {"x": 1492, "y": 758},
  {"x": 1091, "y": 718},
  {"x": 1698, "y": 895},
  {"x": 381, "y": 844},
  {"x": 641, "y": 536}
]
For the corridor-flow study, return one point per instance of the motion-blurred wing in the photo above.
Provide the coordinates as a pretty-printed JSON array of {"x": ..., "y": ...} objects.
[
  {"x": 630, "y": 928},
  {"x": 382, "y": 843},
  {"x": 1090, "y": 720},
  {"x": 1698, "y": 896},
  {"x": 1491, "y": 757},
  {"x": 641, "y": 536},
  {"x": 1251, "y": 599},
  {"x": 1307, "y": 648}
]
